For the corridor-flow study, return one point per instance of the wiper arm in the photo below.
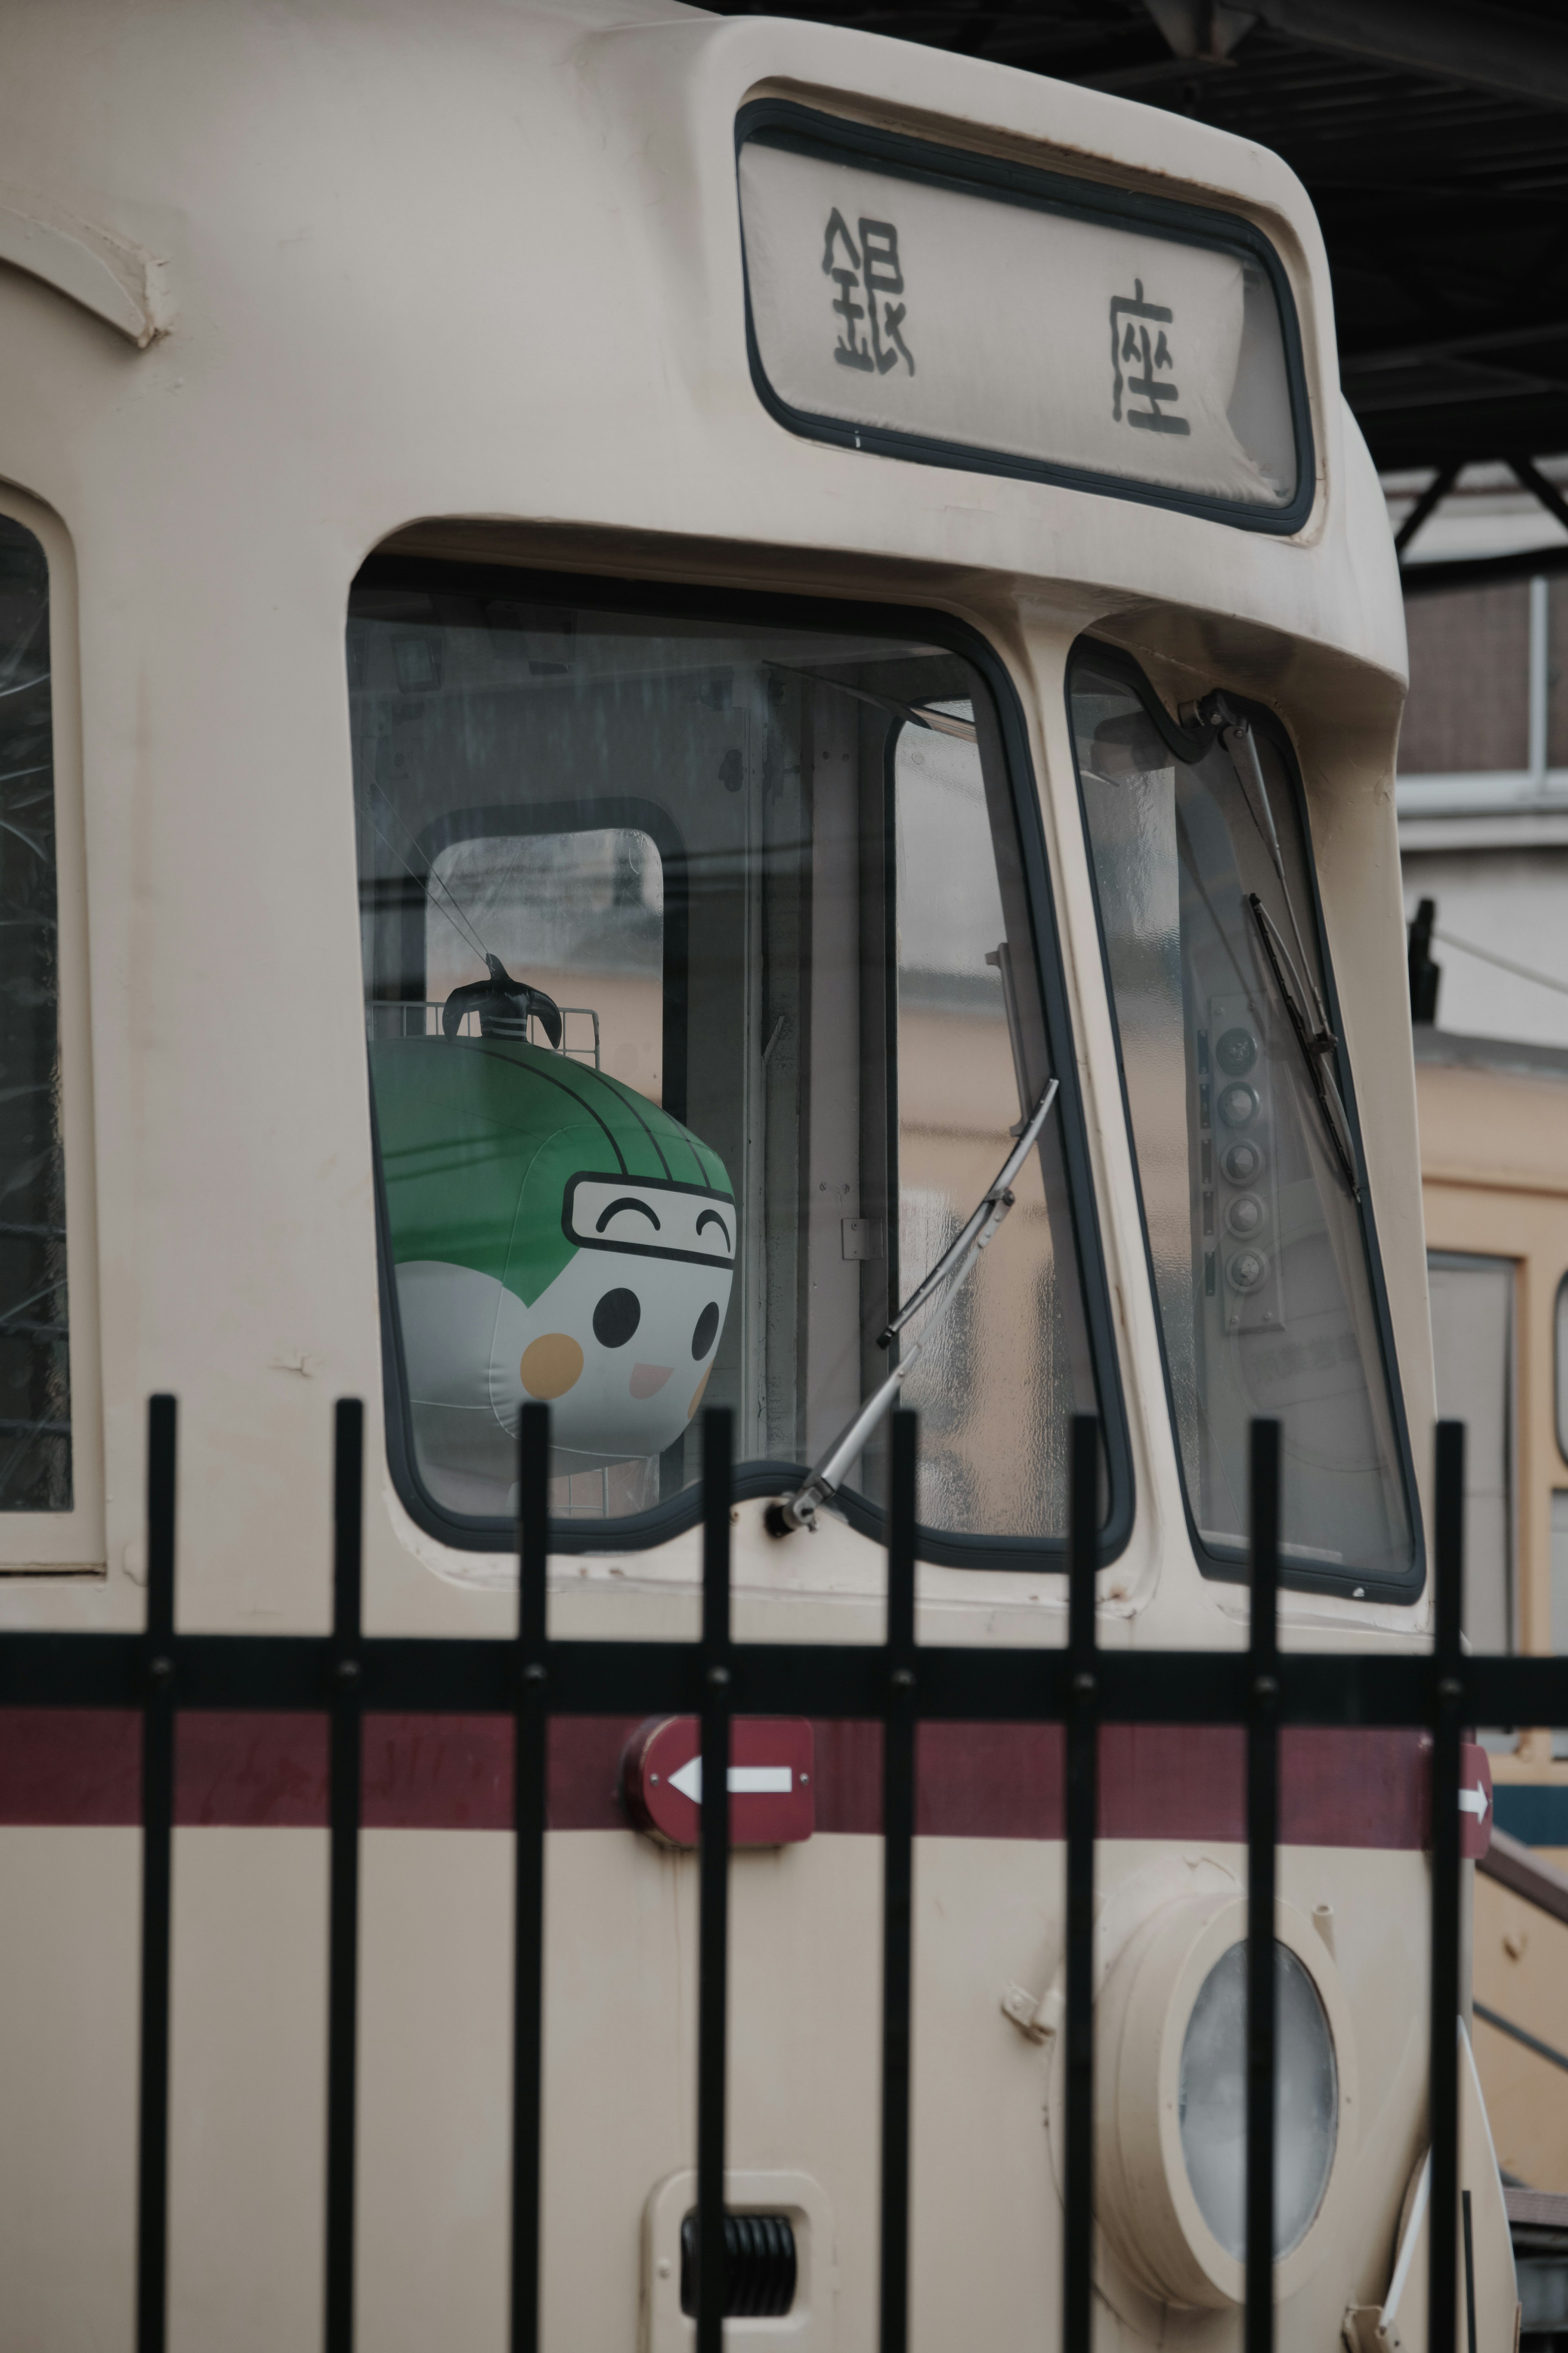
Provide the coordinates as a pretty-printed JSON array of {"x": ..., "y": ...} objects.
[
  {"x": 1315, "y": 1048},
  {"x": 917, "y": 714},
  {"x": 995, "y": 1204},
  {"x": 953, "y": 1268}
]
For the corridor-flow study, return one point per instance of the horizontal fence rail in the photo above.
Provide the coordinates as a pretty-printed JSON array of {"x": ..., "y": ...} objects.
[{"x": 900, "y": 1683}]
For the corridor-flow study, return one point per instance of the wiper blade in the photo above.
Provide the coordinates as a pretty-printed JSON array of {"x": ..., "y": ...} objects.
[
  {"x": 1314, "y": 1046},
  {"x": 1236, "y": 734},
  {"x": 953, "y": 1268},
  {"x": 1313, "y": 1031}
]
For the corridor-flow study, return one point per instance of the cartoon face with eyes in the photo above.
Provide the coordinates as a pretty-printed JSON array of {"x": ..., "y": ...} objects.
[{"x": 555, "y": 1235}]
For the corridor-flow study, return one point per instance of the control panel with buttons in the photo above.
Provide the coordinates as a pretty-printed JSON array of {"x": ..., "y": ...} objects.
[{"x": 1238, "y": 1200}]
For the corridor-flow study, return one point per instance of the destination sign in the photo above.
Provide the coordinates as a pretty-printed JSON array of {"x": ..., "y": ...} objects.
[{"x": 1008, "y": 327}]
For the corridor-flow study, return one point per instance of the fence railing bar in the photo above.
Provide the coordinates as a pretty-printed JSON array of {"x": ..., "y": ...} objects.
[
  {"x": 157, "y": 1858},
  {"x": 713, "y": 1926},
  {"x": 343, "y": 1964},
  {"x": 1448, "y": 1722},
  {"x": 1082, "y": 1824},
  {"x": 898, "y": 1881},
  {"x": 530, "y": 1735},
  {"x": 462, "y": 1675},
  {"x": 1262, "y": 1832}
]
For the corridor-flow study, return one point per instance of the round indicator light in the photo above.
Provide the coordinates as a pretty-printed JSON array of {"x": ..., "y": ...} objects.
[
  {"x": 1242, "y": 1161},
  {"x": 1246, "y": 1216},
  {"x": 1247, "y": 1270},
  {"x": 1238, "y": 1105},
  {"x": 1236, "y": 1053}
]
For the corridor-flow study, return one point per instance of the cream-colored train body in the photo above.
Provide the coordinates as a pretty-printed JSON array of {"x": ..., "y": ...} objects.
[
  {"x": 284, "y": 291},
  {"x": 1493, "y": 1119}
]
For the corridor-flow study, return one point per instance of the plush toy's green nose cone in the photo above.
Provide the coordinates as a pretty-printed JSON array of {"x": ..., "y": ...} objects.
[{"x": 481, "y": 1139}]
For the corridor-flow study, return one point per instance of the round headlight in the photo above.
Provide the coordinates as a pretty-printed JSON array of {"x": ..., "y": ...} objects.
[
  {"x": 1171, "y": 2095},
  {"x": 1213, "y": 2101}
]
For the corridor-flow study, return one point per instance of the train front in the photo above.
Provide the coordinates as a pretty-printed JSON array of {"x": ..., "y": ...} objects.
[{"x": 871, "y": 642}]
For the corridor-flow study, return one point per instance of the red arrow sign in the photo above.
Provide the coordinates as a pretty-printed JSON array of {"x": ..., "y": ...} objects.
[
  {"x": 773, "y": 1795},
  {"x": 1475, "y": 1802}
]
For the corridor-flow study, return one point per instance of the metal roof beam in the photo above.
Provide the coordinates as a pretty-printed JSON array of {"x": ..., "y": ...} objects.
[
  {"x": 1435, "y": 491},
  {"x": 1486, "y": 47},
  {"x": 1535, "y": 481},
  {"x": 1461, "y": 345},
  {"x": 1482, "y": 571}
]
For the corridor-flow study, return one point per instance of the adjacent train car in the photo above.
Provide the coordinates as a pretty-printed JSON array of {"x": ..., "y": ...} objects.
[
  {"x": 1494, "y": 1163},
  {"x": 631, "y": 646}
]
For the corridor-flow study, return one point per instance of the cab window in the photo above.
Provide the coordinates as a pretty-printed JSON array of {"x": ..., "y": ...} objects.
[
  {"x": 706, "y": 981},
  {"x": 1238, "y": 1096}
]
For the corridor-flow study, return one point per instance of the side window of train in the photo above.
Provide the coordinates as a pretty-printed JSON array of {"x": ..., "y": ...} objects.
[
  {"x": 1473, "y": 1356},
  {"x": 50, "y": 1483},
  {"x": 1239, "y": 1098},
  {"x": 708, "y": 974}
]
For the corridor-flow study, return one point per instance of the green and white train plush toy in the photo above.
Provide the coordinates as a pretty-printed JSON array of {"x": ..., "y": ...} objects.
[{"x": 554, "y": 1235}]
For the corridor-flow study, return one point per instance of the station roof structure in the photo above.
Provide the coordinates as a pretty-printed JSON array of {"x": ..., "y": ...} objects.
[{"x": 1432, "y": 136}]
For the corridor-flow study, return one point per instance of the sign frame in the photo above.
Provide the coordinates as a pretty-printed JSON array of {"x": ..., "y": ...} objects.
[{"x": 779, "y": 122}]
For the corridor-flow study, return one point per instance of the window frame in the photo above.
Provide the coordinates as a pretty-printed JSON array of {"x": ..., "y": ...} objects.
[
  {"x": 1345, "y": 1584},
  {"x": 603, "y": 812},
  {"x": 754, "y": 1478},
  {"x": 1463, "y": 1262},
  {"x": 841, "y": 138},
  {"x": 73, "y": 1543}
]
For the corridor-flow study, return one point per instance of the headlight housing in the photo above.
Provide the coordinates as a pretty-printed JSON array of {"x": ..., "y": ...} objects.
[{"x": 1170, "y": 2100}]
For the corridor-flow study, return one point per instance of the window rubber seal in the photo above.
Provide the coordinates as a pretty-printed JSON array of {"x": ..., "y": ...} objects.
[
  {"x": 435, "y": 576},
  {"x": 1408, "y": 1587}
]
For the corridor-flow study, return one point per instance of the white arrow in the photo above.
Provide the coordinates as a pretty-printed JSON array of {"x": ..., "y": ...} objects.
[
  {"x": 745, "y": 1780},
  {"x": 1474, "y": 1801}
]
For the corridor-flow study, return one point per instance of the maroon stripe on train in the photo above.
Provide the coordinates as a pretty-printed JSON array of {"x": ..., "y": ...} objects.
[{"x": 1356, "y": 1789}]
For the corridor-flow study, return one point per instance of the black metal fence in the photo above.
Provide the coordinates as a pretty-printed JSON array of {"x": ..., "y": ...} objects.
[{"x": 717, "y": 1679}]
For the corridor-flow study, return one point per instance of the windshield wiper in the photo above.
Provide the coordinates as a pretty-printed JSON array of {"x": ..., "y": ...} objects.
[
  {"x": 1315, "y": 1046},
  {"x": 953, "y": 1267},
  {"x": 1235, "y": 734},
  {"x": 1310, "y": 1028}
]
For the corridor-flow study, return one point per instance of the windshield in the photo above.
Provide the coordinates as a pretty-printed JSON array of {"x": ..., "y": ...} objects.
[
  {"x": 702, "y": 993},
  {"x": 1235, "y": 1091}
]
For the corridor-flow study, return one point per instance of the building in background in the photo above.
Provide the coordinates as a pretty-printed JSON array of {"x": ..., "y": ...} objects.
[{"x": 1483, "y": 758}]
